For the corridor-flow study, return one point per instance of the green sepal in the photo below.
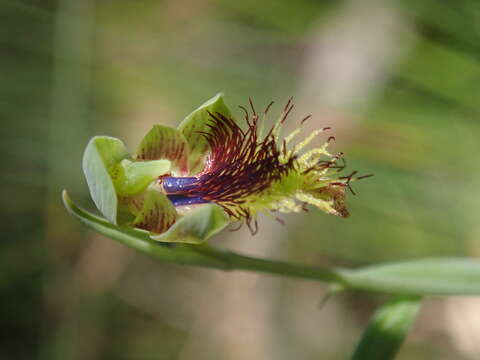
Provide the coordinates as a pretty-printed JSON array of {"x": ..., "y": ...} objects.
[
  {"x": 131, "y": 178},
  {"x": 156, "y": 214},
  {"x": 195, "y": 124},
  {"x": 101, "y": 153},
  {"x": 163, "y": 142},
  {"x": 196, "y": 226}
]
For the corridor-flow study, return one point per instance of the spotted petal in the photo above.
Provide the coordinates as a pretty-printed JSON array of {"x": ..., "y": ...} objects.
[
  {"x": 157, "y": 213},
  {"x": 195, "y": 124},
  {"x": 163, "y": 142},
  {"x": 196, "y": 226}
]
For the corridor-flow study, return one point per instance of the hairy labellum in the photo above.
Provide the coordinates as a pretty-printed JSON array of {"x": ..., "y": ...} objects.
[{"x": 246, "y": 174}]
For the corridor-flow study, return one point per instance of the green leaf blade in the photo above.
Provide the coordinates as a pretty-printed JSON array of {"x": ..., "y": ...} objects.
[
  {"x": 437, "y": 276},
  {"x": 388, "y": 329}
]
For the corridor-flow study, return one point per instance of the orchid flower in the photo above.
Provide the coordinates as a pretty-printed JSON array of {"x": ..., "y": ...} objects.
[{"x": 186, "y": 184}]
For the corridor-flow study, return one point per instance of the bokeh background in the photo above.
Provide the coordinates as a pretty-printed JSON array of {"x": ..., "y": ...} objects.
[{"x": 399, "y": 83}]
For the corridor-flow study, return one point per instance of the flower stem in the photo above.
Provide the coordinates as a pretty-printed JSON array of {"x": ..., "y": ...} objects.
[
  {"x": 235, "y": 261},
  {"x": 197, "y": 255}
]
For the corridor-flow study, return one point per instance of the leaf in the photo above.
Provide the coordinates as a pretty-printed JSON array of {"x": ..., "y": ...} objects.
[
  {"x": 388, "y": 329},
  {"x": 157, "y": 213},
  {"x": 140, "y": 240},
  {"x": 163, "y": 142},
  {"x": 196, "y": 226},
  {"x": 101, "y": 153},
  {"x": 441, "y": 276},
  {"x": 196, "y": 123}
]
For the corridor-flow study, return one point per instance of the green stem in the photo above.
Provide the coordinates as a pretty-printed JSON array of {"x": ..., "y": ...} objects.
[
  {"x": 197, "y": 255},
  {"x": 237, "y": 261},
  {"x": 443, "y": 276}
]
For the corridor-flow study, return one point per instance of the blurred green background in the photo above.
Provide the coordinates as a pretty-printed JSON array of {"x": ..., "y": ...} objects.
[{"x": 398, "y": 81}]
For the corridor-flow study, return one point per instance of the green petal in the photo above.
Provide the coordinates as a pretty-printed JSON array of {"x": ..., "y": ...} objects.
[
  {"x": 100, "y": 154},
  {"x": 163, "y": 142},
  {"x": 157, "y": 213},
  {"x": 131, "y": 178},
  {"x": 197, "y": 226},
  {"x": 196, "y": 123}
]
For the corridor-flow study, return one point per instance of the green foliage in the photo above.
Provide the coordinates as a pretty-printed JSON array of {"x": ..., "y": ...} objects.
[
  {"x": 388, "y": 329},
  {"x": 440, "y": 276}
]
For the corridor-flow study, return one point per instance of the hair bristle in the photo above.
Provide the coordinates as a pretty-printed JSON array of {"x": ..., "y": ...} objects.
[
  {"x": 242, "y": 166},
  {"x": 239, "y": 164},
  {"x": 265, "y": 112}
]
